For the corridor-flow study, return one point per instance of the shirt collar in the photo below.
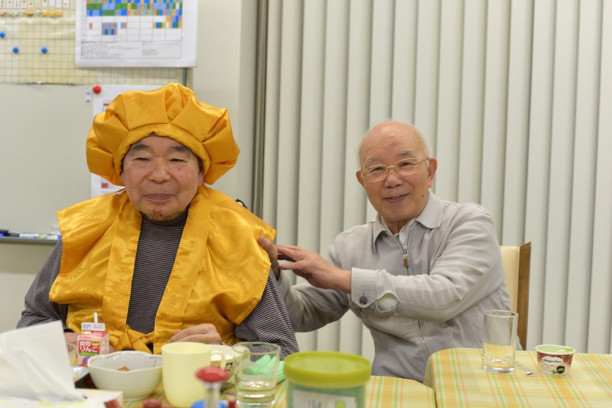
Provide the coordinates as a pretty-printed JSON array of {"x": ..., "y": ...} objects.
[{"x": 429, "y": 218}]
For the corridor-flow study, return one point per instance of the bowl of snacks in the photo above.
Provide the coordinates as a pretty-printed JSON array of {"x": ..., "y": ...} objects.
[{"x": 134, "y": 373}]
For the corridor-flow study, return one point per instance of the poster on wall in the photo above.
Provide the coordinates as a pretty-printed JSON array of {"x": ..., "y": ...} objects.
[
  {"x": 136, "y": 33},
  {"x": 100, "y": 99}
]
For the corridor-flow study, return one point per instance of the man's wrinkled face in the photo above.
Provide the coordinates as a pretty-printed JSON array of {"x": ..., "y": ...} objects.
[
  {"x": 161, "y": 177},
  {"x": 398, "y": 198}
]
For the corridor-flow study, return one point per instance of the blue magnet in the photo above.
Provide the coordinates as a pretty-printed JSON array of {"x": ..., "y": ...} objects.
[
  {"x": 44, "y": 50},
  {"x": 2, "y": 34},
  {"x": 15, "y": 50}
]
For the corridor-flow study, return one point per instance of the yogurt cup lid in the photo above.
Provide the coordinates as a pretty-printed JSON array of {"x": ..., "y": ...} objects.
[{"x": 554, "y": 349}]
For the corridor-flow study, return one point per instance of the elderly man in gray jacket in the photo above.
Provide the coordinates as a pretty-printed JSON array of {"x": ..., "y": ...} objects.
[{"x": 420, "y": 276}]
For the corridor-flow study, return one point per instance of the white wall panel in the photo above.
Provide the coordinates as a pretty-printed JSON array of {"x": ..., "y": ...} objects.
[
  {"x": 559, "y": 190},
  {"x": 472, "y": 97},
  {"x": 495, "y": 108},
  {"x": 517, "y": 127},
  {"x": 449, "y": 98},
  {"x": 404, "y": 60},
  {"x": 600, "y": 311},
  {"x": 358, "y": 106},
  {"x": 357, "y": 122},
  {"x": 311, "y": 124},
  {"x": 536, "y": 210},
  {"x": 333, "y": 144},
  {"x": 288, "y": 138},
  {"x": 584, "y": 170},
  {"x": 427, "y": 60},
  {"x": 272, "y": 111},
  {"x": 382, "y": 60}
]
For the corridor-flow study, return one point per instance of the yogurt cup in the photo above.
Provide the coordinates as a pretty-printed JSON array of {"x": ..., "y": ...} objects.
[{"x": 554, "y": 359}]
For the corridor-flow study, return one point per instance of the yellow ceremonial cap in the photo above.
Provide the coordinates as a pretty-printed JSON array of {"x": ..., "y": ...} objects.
[{"x": 172, "y": 111}]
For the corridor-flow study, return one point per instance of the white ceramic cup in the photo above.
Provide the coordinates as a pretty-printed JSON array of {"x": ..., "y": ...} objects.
[
  {"x": 499, "y": 340},
  {"x": 180, "y": 363}
]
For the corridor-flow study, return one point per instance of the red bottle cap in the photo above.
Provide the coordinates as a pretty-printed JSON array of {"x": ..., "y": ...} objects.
[{"x": 212, "y": 374}]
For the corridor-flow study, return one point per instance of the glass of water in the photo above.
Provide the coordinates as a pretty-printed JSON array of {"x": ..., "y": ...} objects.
[{"x": 256, "y": 373}]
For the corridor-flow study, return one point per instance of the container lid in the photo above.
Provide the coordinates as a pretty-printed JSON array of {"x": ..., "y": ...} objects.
[
  {"x": 554, "y": 349},
  {"x": 327, "y": 369}
]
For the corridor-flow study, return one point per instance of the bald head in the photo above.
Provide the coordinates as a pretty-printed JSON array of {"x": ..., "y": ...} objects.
[{"x": 386, "y": 133}]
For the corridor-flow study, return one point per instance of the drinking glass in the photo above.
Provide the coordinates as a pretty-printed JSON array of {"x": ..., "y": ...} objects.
[
  {"x": 256, "y": 373},
  {"x": 499, "y": 340}
]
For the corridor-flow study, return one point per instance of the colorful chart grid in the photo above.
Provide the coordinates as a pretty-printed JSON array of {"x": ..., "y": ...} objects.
[
  {"x": 136, "y": 18},
  {"x": 37, "y": 45}
]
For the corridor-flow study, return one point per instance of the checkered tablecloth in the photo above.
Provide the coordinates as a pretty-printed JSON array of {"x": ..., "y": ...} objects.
[
  {"x": 458, "y": 380},
  {"x": 381, "y": 392}
]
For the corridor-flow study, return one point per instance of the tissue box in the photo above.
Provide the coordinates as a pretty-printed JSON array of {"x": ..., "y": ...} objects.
[{"x": 91, "y": 344}]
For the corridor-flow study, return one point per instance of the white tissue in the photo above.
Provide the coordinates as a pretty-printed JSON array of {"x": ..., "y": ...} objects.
[{"x": 34, "y": 364}]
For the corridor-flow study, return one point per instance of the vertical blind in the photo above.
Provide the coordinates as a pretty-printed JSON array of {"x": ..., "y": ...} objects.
[{"x": 515, "y": 99}]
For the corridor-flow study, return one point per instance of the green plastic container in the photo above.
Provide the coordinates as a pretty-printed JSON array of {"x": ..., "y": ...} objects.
[{"x": 326, "y": 378}]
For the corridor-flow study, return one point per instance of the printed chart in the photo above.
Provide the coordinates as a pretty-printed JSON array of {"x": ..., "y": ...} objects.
[
  {"x": 37, "y": 46},
  {"x": 151, "y": 33}
]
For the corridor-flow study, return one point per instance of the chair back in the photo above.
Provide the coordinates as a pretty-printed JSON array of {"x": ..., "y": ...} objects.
[{"x": 516, "y": 261}]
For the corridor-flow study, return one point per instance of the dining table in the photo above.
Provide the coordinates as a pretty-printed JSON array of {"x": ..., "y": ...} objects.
[
  {"x": 458, "y": 380},
  {"x": 380, "y": 392}
]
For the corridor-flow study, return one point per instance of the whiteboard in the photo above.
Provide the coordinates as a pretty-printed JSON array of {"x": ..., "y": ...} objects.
[{"x": 42, "y": 146}]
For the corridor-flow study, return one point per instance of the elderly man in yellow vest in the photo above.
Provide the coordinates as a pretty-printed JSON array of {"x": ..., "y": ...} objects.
[{"x": 167, "y": 258}]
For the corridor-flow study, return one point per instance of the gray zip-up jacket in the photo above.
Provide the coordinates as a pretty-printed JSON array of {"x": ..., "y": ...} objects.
[{"x": 454, "y": 274}]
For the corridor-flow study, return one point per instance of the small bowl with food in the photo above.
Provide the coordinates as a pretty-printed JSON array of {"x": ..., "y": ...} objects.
[{"x": 135, "y": 373}]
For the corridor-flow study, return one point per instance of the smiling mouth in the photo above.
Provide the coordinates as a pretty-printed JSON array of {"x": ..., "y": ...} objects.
[
  {"x": 158, "y": 197},
  {"x": 396, "y": 199}
]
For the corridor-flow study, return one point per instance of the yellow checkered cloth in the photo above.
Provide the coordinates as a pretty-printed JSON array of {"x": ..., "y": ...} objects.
[
  {"x": 381, "y": 392},
  {"x": 458, "y": 380}
]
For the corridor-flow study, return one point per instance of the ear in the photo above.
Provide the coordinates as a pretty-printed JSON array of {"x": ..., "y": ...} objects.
[
  {"x": 360, "y": 178},
  {"x": 431, "y": 171}
]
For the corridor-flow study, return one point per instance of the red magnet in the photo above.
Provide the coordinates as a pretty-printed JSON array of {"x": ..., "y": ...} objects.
[{"x": 97, "y": 89}]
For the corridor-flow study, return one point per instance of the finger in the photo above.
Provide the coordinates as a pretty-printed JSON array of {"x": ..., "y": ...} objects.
[
  {"x": 209, "y": 338},
  {"x": 289, "y": 250},
  {"x": 267, "y": 244},
  {"x": 287, "y": 254},
  {"x": 290, "y": 266},
  {"x": 204, "y": 328},
  {"x": 71, "y": 338}
]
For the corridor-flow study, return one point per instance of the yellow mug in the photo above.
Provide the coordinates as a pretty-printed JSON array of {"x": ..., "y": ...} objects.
[{"x": 180, "y": 363}]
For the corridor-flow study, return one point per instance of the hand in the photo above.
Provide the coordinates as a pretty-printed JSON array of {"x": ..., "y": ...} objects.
[
  {"x": 312, "y": 267},
  {"x": 270, "y": 248},
  {"x": 71, "y": 337},
  {"x": 201, "y": 333}
]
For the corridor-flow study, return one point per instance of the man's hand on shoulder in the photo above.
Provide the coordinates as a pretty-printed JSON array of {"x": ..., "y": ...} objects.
[
  {"x": 270, "y": 248},
  {"x": 314, "y": 268}
]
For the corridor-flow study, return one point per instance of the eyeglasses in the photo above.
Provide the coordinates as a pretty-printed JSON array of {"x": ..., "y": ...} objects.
[{"x": 404, "y": 168}]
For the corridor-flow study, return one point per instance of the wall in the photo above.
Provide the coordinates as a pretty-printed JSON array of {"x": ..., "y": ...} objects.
[{"x": 43, "y": 132}]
